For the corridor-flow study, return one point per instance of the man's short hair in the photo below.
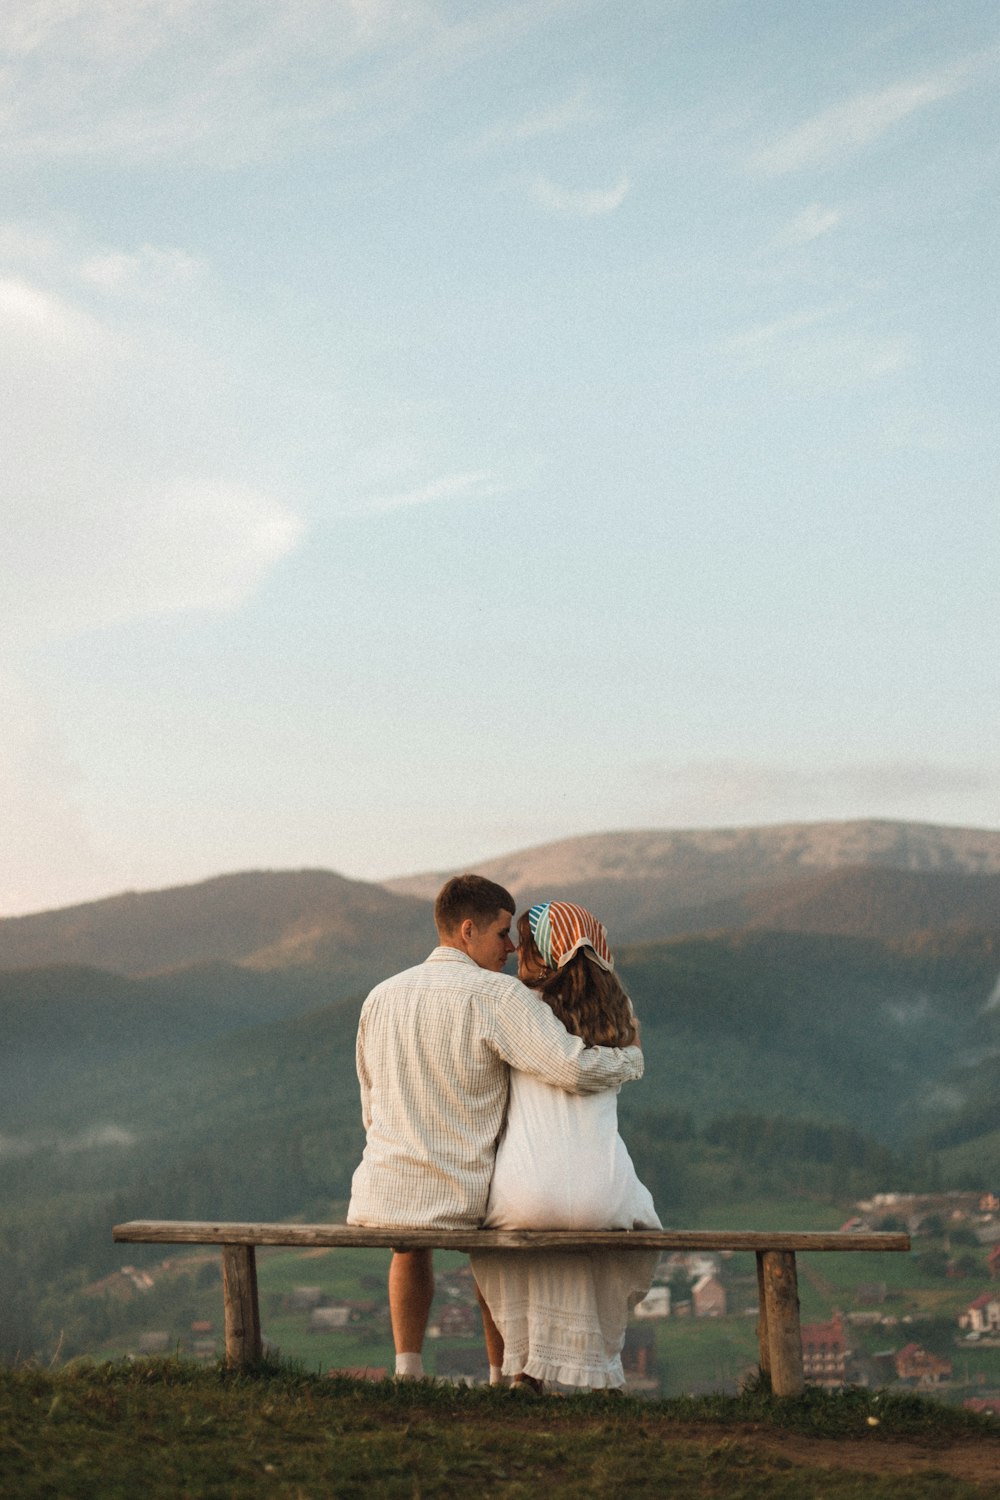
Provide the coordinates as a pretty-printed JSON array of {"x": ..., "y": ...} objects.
[{"x": 470, "y": 896}]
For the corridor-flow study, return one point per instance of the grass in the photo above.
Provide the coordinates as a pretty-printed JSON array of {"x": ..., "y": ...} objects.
[
  {"x": 694, "y": 1354},
  {"x": 168, "y": 1428}
]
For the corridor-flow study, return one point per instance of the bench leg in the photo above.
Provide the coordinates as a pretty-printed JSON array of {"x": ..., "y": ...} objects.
[
  {"x": 781, "y": 1312},
  {"x": 239, "y": 1294},
  {"x": 763, "y": 1342}
]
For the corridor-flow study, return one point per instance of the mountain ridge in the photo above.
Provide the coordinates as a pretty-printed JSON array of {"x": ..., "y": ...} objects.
[
  {"x": 254, "y": 919},
  {"x": 623, "y": 854},
  {"x": 872, "y": 877}
]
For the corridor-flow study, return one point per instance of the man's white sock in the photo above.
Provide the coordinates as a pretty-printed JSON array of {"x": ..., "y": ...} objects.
[
  {"x": 496, "y": 1375},
  {"x": 410, "y": 1366}
]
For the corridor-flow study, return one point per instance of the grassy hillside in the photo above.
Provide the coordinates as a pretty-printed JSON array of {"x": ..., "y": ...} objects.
[{"x": 161, "y": 1429}]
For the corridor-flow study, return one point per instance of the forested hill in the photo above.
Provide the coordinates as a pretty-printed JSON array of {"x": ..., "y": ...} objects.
[
  {"x": 862, "y": 901},
  {"x": 837, "y": 1028}
]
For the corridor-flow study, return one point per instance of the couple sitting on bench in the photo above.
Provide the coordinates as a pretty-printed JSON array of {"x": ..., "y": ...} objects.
[{"x": 491, "y": 1102}]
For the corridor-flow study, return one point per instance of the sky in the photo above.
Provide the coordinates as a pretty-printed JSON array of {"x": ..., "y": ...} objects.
[{"x": 434, "y": 428}]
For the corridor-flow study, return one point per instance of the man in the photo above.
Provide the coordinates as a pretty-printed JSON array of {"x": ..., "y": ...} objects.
[{"x": 434, "y": 1052}]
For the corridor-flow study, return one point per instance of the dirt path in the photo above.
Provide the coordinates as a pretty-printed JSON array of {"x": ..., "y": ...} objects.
[{"x": 976, "y": 1460}]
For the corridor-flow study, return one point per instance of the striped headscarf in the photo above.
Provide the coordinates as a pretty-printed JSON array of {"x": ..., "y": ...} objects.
[{"x": 560, "y": 929}]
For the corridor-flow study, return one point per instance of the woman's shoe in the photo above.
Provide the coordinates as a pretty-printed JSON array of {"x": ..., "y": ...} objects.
[{"x": 527, "y": 1386}]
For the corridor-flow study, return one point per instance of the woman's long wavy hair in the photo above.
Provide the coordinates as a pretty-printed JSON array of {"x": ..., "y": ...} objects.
[{"x": 588, "y": 1000}]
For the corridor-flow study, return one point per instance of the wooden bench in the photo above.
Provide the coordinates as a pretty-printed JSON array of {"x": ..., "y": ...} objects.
[{"x": 778, "y": 1328}]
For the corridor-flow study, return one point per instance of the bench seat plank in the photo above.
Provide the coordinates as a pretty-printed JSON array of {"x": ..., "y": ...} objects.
[
  {"x": 186, "y": 1232},
  {"x": 778, "y": 1329}
]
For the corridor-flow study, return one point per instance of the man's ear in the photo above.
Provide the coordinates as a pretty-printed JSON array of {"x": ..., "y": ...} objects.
[{"x": 466, "y": 929}]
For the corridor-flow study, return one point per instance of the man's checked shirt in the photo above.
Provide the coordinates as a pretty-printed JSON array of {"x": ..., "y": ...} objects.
[{"x": 435, "y": 1046}]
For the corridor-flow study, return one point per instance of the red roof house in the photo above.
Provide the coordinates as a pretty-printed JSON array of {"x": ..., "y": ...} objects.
[{"x": 824, "y": 1352}]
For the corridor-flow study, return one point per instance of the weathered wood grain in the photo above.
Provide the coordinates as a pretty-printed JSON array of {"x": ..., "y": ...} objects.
[
  {"x": 186, "y": 1232},
  {"x": 763, "y": 1342},
  {"x": 784, "y": 1333},
  {"x": 242, "y": 1309}
]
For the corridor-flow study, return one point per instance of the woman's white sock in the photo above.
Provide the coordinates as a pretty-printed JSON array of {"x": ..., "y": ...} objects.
[
  {"x": 410, "y": 1366},
  {"x": 496, "y": 1375}
]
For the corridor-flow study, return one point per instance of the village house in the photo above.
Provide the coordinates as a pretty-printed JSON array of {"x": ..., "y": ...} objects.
[
  {"x": 824, "y": 1353},
  {"x": 459, "y": 1283},
  {"x": 982, "y": 1316},
  {"x": 694, "y": 1264},
  {"x": 913, "y": 1208},
  {"x": 324, "y": 1319},
  {"x": 655, "y": 1304},
  {"x": 919, "y": 1368},
  {"x": 708, "y": 1297},
  {"x": 867, "y": 1318},
  {"x": 456, "y": 1320},
  {"x": 304, "y": 1298}
]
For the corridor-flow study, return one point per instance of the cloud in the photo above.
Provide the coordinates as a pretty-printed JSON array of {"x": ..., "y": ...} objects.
[
  {"x": 857, "y": 122},
  {"x": 24, "y": 243},
  {"x": 470, "y": 486},
  {"x": 808, "y": 350},
  {"x": 927, "y": 431},
  {"x": 765, "y": 335},
  {"x": 744, "y": 792},
  {"x": 76, "y": 560},
  {"x": 118, "y": 498},
  {"x": 39, "y": 321},
  {"x": 809, "y": 225},
  {"x": 580, "y": 203},
  {"x": 554, "y": 119},
  {"x": 230, "y": 83},
  {"x": 148, "y": 266},
  {"x": 150, "y": 269}
]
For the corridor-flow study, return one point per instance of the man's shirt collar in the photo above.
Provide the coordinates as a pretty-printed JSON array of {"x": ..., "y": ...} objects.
[{"x": 445, "y": 955}]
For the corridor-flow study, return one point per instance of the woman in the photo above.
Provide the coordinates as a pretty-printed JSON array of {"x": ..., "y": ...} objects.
[{"x": 562, "y": 1165}]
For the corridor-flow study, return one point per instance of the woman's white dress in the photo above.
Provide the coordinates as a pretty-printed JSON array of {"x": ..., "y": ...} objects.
[{"x": 562, "y": 1165}]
